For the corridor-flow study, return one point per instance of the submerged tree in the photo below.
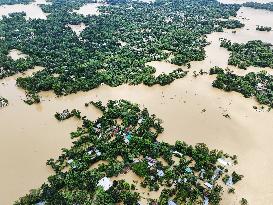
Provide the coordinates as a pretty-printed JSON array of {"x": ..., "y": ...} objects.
[
  {"x": 3, "y": 102},
  {"x": 10, "y": 2},
  {"x": 114, "y": 47},
  {"x": 263, "y": 28},
  {"x": 255, "y": 5},
  {"x": 253, "y": 53},
  {"x": 125, "y": 131},
  {"x": 259, "y": 85}
]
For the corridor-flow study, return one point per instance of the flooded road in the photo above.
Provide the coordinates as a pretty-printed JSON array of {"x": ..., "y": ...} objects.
[{"x": 30, "y": 135}]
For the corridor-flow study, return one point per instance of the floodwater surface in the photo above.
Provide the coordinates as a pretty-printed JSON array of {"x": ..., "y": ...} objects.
[
  {"x": 191, "y": 109},
  {"x": 16, "y": 54},
  {"x": 33, "y": 11},
  {"x": 162, "y": 67},
  {"x": 89, "y": 9},
  {"x": 77, "y": 28}
]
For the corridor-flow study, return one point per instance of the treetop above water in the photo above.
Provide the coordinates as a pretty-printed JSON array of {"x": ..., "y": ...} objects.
[
  {"x": 190, "y": 174},
  {"x": 97, "y": 56}
]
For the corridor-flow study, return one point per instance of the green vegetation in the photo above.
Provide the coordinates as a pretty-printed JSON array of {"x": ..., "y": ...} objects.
[
  {"x": 115, "y": 46},
  {"x": 192, "y": 178},
  {"x": 10, "y": 2},
  {"x": 243, "y": 201},
  {"x": 32, "y": 98},
  {"x": 263, "y": 28},
  {"x": 253, "y": 53},
  {"x": 258, "y": 85},
  {"x": 66, "y": 114},
  {"x": 3, "y": 102},
  {"x": 254, "y": 5}
]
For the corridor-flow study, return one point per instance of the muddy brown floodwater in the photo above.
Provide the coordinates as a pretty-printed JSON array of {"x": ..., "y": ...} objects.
[
  {"x": 89, "y": 9},
  {"x": 78, "y": 28},
  {"x": 33, "y": 11},
  {"x": 30, "y": 135}
]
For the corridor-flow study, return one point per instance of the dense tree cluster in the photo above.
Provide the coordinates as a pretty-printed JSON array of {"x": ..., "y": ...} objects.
[
  {"x": 115, "y": 46},
  {"x": 10, "y": 2},
  {"x": 258, "y": 85},
  {"x": 190, "y": 174},
  {"x": 253, "y": 53},
  {"x": 263, "y": 28},
  {"x": 255, "y": 5}
]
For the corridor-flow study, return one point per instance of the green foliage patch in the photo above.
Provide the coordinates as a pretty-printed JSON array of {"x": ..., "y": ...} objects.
[
  {"x": 263, "y": 28},
  {"x": 3, "y": 102},
  {"x": 114, "y": 47},
  {"x": 255, "y": 5},
  {"x": 258, "y": 85},
  {"x": 10, "y": 2},
  {"x": 193, "y": 178},
  {"x": 253, "y": 53}
]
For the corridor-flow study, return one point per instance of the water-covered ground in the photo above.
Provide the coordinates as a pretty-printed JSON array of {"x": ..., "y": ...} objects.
[{"x": 30, "y": 134}]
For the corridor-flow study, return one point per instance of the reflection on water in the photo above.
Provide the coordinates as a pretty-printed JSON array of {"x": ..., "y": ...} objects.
[{"x": 30, "y": 134}]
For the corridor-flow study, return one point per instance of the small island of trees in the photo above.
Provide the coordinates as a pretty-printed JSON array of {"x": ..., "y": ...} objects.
[
  {"x": 253, "y": 53},
  {"x": 255, "y": 5},
  {"x": 258, "y": 85},
  {"x": 114, "y": 47},
  {"x": 11, "y": 2},
  {"x": 263, "y": 28},
  {"x": 190, "y": 174},
  {"x": 3, "y": 102}
]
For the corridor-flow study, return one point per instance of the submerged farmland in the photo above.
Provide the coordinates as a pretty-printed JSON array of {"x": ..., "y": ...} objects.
[
  {"x": 158, "y": 55},
  {"x": 98, "y": 56},
  {"x": 125, "y": 138}
]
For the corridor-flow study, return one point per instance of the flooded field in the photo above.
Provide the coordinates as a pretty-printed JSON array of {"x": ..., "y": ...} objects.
[
  {"x": 33, "y": 11},
  {"x": 89, "y": 9},
  {"x": 191, "y": 109},
  {"x": 16, "y": 54},
  {"x": 162, "y": 67},
  {"x": 77, "y": 28}
]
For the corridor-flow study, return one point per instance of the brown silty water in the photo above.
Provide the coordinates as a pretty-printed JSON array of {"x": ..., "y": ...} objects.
[{"x": 30, "y": 135}]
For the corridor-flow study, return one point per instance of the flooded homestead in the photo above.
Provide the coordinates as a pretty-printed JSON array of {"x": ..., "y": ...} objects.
[{"x": 30, "y": 135}]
